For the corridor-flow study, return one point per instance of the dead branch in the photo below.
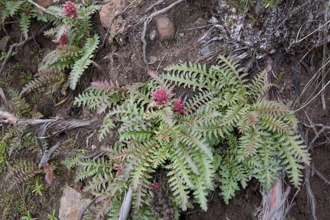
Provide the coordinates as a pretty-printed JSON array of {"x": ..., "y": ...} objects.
[
  {"x": 126, "y": 205},
  {"x": 48, "y": 153},
  {"x": 323, "y": 128},
  {"x": 310, "y": 195},
  {"x": 144, "y": 47},
  {"x": 325, "y": 50},
  {"x": 84, "y": 210},
  {"x": 43, "y": 9},
  {"x": 153, "y": 5},
  {"x": 11, "y": 48},
  {"x": 320, "y": 175}
]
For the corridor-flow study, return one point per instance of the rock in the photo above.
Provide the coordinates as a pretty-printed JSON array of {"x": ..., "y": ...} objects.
[
  {"x": 109, "y": 10},
  {"x": 106, "y": 14},
  {"x": 165, "y": 28},
  {"x": 71, "y": 204},
  {"x": 153, "y": 34},
  {"x": 153, "y": 59},
  {"x": 3, "y": 43},
  {"x": 44, "y": 3}
]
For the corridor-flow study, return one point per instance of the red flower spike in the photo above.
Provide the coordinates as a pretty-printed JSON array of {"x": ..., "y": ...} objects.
[
  {"x": 161, "y": 97},
  {"x": 155, "y": 186},
  {"x": 178, "y": 106},
  {"x": 63, "y": 39},
  {"x": 70, "y": 10}
]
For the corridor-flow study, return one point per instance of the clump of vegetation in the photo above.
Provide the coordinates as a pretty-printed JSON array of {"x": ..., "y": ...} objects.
[
  {"x": 75, "y": 47},
  {"x": 226, "y": 133}
]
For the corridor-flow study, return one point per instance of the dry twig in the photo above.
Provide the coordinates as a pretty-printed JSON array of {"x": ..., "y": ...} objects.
[
  {"x": 323, "y": 128},
  {"x": 310, "y": 195},
  {"x": 42, "y": 8}
]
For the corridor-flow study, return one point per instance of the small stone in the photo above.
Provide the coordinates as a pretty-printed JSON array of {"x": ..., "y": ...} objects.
[
  {"x": 165, "y": 28},
  {"x": 153, "y": 59},
  {"x": 153, "y": 34},
  {"x": 3, "y": 43},
  {"x": 71, "y": 204},
  {"x": 200, "y": 22},
  {"x": 109, "y": 10},
  {"x": 181, "y": 34},
  {"x": 44, "y": 3}
]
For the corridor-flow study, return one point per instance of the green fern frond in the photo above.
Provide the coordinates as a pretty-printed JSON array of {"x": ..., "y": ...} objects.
[
  {"x": 250, "y": 141},
  {"x": 19, "y": 101},
  {"x": 179, "y": 189},
  {"x": 187, "y": 76},
  {"x": 271, "y": 108},
  {"x": 106, "y": 126},
  {"x": 84, "y": 62},
  {"x": 259, "y": 87},
  {"x": 136, "y": 123},
  {"x": 233, "y": 115},
  {"x": 99, "y": 184},
  {"x": 25, "y": 23},
  {"x": 51, "y": 31},
  {"x": 142, "y": 152},
  {"x": 139, "y": 136},
  {"x": 166, "y": 115},
  {"x": 140, "y": 184},
  {"x": 201, "y": 99},
  {"x": 51, "y": 77},
  {"x": 292, "y": 166},
  {"x": 206, "y": 169},
  {"x": 159, "y": 157},
  {"x": 185, "y": 153},
  {"x": 267, "y": 172},
  {"x": 21, "y": 172},
  {"x": 200, "y": 192},
  {"x": 193, "y": 138},
  {"x": 294, "y": 146},
  {"x": 13, "y": 6},
  {"x": 179, "y": 167},
  {"x": 89, "y": 168},
  {"x": 273, "y": 124}
]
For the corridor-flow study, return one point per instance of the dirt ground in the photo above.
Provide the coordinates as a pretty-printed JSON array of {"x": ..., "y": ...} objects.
[{"x": 125, "y": 64}]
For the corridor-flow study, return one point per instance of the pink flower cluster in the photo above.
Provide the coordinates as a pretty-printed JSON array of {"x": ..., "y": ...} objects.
[
  {"x": 178, "y": 106},
  {"x": 63, "y": 39},
  {"x": 70, "y": 10},
  {"x": 155, "y": 186},
  {"x": 161, "y": 99}
]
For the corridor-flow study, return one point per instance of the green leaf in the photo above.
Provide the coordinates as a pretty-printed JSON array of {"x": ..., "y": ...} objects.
[
  {"x": 84, "y": 62},
  {"x": 25, "y": 23}
]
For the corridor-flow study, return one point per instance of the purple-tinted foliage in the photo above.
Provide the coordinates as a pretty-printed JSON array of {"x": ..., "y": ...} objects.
[
  {"x": 178, "y": 106},
  {"x": 70, "y": 10},
  {"x": 63, "y": 39},
  {"x": 161, "y": 97}
]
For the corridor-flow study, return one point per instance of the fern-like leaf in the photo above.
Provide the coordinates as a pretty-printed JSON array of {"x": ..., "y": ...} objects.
[
  {"x": 84, "y": 62},
  {"x": 25, "y": 23}
]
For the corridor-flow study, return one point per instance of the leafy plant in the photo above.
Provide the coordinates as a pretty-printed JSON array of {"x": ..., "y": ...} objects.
[
  {"x": 28, "y": 216},
  {"x": 24, "y": 9},
  {"x": 75, "y": 50},
  {"x": 38, "y": 188},
  {"x": 52, "y": 216},
  {"x": 226, "y": 128}
]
